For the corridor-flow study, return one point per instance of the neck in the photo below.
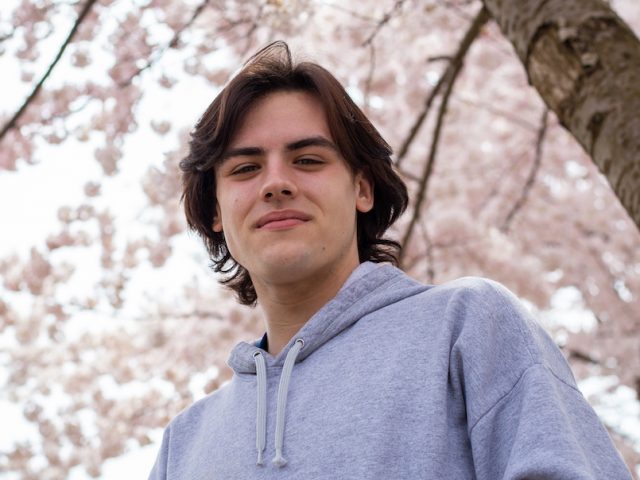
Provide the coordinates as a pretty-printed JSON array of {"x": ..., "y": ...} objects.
[{"x": 288, "y": 306}]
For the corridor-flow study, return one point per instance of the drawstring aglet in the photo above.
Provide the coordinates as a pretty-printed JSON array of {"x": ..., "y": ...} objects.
[
  {"x": 260, "y": 462},
  {"x": 279, "y": 460}
]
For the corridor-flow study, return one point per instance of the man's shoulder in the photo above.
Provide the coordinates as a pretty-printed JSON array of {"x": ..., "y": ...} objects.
[
  {"x": 482, "y": 307},
  {"x": 475, "y": 305},
  {"x": 473, "y": 287},
  {"x": 477, "y": 313},
  {"x": 467, "y": 295},
  {"x": 488, "y": 321}
]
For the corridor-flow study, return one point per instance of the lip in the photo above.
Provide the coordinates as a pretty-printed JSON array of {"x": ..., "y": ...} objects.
[{"x": 282, "y": 218}]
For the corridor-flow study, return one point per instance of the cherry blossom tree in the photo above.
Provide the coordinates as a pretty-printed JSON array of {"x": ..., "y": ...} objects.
[
  {"x": 585, "y": 63},
  {"x": 105, "y": 337}
]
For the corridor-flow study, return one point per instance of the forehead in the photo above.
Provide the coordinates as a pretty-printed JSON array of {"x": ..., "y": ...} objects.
[{"x": 281, "y": 117}]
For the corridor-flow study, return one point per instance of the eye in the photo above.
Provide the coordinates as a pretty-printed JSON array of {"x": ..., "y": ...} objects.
[
  {"x": 308, "y": 161},
  {"x": 246, "y": 168}
]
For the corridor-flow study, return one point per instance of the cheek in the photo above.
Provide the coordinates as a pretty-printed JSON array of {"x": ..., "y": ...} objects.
[
  {"x": 342, "y": 206},
  {"x": 233, "y": 211}
]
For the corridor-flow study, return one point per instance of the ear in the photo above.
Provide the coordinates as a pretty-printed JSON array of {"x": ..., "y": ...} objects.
[
  {"x": 364, "y": 193},
  {"x": 217, "y": 220}
]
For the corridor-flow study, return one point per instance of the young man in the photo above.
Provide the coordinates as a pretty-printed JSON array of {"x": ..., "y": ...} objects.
[{"x": 363, "y": 372}]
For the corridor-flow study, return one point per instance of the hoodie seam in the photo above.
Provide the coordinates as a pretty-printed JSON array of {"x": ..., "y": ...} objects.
[{"x": 524, "y": 373}]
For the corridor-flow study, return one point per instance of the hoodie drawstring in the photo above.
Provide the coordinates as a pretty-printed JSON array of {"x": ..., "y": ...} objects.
[
  {"x": 261, "y": 415},
  {"x": 283, "y": 390}
]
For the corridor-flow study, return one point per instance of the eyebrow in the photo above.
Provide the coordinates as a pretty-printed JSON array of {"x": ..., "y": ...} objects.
[{"x": 317, "y": 141}]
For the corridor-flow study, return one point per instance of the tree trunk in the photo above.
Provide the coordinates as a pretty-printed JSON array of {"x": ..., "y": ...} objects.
[{"x": 585, "y": 63}]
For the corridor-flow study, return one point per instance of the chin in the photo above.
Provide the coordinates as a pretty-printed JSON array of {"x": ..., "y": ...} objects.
[{"x": 287, "y": 266}]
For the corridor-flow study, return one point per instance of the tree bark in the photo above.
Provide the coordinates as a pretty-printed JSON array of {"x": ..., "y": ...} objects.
[{"x": 585, "y": 63}]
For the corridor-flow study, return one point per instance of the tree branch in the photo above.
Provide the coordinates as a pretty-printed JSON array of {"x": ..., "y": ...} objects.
[
  {"x": 349, "y": 12},
  {"x": 582, "y": 356},
  {"x": 452, "y": 70},
  {"x": 249, "y": 35},
  {"x": 428, "y": 167},
  {"x": 506, "y": 114},
  {"x": 478, "y": 22},
  {"x": 566, "y": 49},
  {"x": 532, "y": 173},
  {"x": 408, "y": 175},
  {"x": 7, "y": 36},
  {"x": 431, "y": 272},
  {"x": 383, "y": 22},
  {"x": 172, "y": 44},
  {"x": 421, "y": 118},
  {"x": 14, "y": 120},
  {"x": 456, "y": 7}
]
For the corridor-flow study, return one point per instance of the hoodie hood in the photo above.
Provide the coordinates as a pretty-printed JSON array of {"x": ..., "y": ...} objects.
[{"x": 370, "y": 287}]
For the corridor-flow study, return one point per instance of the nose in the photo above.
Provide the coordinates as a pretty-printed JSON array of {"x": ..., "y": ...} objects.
[{"x": 278, "y": 183}]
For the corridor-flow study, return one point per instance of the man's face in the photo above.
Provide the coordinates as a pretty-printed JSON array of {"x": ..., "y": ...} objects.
[{"x": 286, "y": 198}]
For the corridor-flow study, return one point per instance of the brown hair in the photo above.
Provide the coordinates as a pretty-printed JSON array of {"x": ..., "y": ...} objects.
[{"x": 271, "y": 70}]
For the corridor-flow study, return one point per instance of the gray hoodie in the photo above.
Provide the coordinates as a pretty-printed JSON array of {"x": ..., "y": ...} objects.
[{"x": 393, "y": 379}]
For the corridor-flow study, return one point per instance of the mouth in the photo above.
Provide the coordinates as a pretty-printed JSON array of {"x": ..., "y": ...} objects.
[{"x": 282, "y": 219}]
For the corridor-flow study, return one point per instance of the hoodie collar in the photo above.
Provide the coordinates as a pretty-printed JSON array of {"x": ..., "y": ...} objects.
[{"x": 359, "y": 295}]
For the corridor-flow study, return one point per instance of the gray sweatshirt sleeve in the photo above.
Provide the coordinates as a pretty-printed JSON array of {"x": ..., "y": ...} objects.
[
  {"x": 159, "y": 471},
  {"x": 526, "y": 417}
]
